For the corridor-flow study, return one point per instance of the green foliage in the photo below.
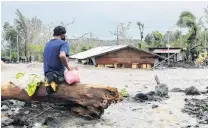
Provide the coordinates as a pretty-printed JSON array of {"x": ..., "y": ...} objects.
[
  {"x": 157, "y": 37},
  {"x": 10, "y": 35},
  {"x": 86, "y": 47},
  {"x": 82, "y": 46},
  {"x": 186, "y": 19},
  {"x": 148, "y": 39},
  {"x": 39, "y": 58},
  {"x": 19, "y": 75},
  {"x": 37, "y": 51},
  {"x": 123, "y": 93},
  {"x": 36, "y": 48},
  {"x": 154, "y": 39},
  {"x": 145, "y": 45}
]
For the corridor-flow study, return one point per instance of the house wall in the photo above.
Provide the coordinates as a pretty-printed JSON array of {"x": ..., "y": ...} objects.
[
  {"x": 180, "y": 56},
  {"x": 126, "y": 57},
  {"x": 177, "y": 57}
]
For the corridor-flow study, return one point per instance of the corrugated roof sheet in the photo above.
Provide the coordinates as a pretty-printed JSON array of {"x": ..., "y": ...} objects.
[
  {"x": 166, "y": 51},
  {"x": 97, "y": 51}
]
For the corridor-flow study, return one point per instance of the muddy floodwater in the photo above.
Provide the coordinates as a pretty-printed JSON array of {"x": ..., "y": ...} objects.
[{"x": 128, "y": 113}]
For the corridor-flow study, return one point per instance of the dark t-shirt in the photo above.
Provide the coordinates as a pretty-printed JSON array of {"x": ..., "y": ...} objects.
[{"x": 52, "y": 62}]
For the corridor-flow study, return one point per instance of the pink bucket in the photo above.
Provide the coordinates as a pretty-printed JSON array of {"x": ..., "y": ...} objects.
[{"x": 71, "y": 77}]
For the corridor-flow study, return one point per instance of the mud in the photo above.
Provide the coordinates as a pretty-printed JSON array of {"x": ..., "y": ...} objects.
[
  {"x": 128, "y": 113},
  {"x": 177, "y": 90},
  {"x": 197, "y": 108}
]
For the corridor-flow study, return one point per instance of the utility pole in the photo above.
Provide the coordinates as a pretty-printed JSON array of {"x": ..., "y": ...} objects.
[
  {"x": 180, "y": 37},
  {"x": 117, "y": 36},
  {"x": 10, "y": 50},
  {"x": 168, "y": 49},
  {"x": 17, "y": 48}
]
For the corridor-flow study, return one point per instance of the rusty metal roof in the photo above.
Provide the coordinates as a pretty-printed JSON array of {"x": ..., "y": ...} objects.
[
  {"x": 102, "y": 50},
  {"x": 167, "y": 51}
]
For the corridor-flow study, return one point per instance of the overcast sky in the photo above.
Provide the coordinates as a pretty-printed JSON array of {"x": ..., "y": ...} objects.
[{"x": 100, "y": 17}]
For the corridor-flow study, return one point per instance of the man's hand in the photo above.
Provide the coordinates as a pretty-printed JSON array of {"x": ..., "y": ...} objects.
[{"x": 73, "y": 68}]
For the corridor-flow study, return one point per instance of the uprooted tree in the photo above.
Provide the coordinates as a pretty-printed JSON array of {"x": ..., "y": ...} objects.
[{"x": 85, "y": 99}]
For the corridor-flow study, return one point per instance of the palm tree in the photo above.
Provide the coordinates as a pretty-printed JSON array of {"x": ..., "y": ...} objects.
[{"x": 188, "y": 20}]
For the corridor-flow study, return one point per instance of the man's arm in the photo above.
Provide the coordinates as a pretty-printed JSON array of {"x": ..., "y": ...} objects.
[
  {"x": 64, "y": 52},
  {"x": 64, "y": 60}
]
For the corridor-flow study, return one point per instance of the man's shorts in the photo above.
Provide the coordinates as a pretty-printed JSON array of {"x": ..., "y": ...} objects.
[{"x": 58, "y": 79}]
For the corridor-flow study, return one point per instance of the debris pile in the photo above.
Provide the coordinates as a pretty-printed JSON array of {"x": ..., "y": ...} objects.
[
  {"x": 31, "y": 115},
  {"x": 9, "y": 110},
  {"x": 197, "y": 108},
  {"x": 192, "y": 91},
  {"x": 161, "y": 90},
  {"x": 160, "y": 93}
]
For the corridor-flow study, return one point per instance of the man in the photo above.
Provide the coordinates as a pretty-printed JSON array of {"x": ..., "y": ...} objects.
[{"x": 55, "y": 59}]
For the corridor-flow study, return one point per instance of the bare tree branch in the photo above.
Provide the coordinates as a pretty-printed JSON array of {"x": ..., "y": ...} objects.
[
  {"x": 121, "y": 32},
  {"x": 70, "y": 23}
]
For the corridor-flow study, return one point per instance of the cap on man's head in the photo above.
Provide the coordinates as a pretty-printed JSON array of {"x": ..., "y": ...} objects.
[{"x": 59, "y": 30}]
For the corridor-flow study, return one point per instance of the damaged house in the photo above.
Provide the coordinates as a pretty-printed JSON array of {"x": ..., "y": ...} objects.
[
  {"x": 117, "y": 56},
  {"x": 175, "y": 54}
]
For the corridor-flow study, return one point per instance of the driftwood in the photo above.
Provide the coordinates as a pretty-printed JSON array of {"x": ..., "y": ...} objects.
[{"x": 85, "y": 99}]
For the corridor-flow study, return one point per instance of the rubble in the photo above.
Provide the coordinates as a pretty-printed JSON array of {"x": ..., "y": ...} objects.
[
  {"x": 141, "y": 97},
  {"x": 197, "y": 108},
  {"x": 161, "y": 90},
  {"x": 160, "y": 93},
  {"x": 51, "y": 122},
  {"x": 154, "y": 106},
  {"x": 5, "y": 121},
  {"x": 192, "y": 91},
  {"x": 4, "y": 108}
]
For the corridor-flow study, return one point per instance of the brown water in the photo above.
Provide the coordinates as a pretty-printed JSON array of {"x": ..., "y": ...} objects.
[{"x": 131, "y": 114}]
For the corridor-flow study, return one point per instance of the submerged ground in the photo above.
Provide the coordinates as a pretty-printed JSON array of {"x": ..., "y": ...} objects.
[{"x": 129, "y": 114}]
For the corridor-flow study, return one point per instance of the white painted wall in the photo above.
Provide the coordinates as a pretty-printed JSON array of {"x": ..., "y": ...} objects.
[{"x": 179, "y": 56}]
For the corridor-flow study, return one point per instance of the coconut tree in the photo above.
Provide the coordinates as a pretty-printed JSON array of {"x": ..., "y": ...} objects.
[{"x": 188, "y": 20}]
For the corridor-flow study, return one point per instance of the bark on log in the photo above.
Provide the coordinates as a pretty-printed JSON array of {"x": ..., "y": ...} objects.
[{"x": 84, "y": 99}]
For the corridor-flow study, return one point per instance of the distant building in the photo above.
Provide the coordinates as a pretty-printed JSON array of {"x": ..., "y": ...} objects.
[
  {"x": 118, "y": 56},
  {"x": 177, "y": 54}
]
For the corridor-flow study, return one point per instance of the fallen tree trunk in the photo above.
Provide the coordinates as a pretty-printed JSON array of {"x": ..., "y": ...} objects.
[{"x": 84, "y": 99}]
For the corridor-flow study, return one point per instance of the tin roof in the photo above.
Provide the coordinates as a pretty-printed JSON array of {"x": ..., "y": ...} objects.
[
  {"x": 97, "y": 51},
  {"x": 102, "y": 50},
  {"x": 167, "y": 51}
]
